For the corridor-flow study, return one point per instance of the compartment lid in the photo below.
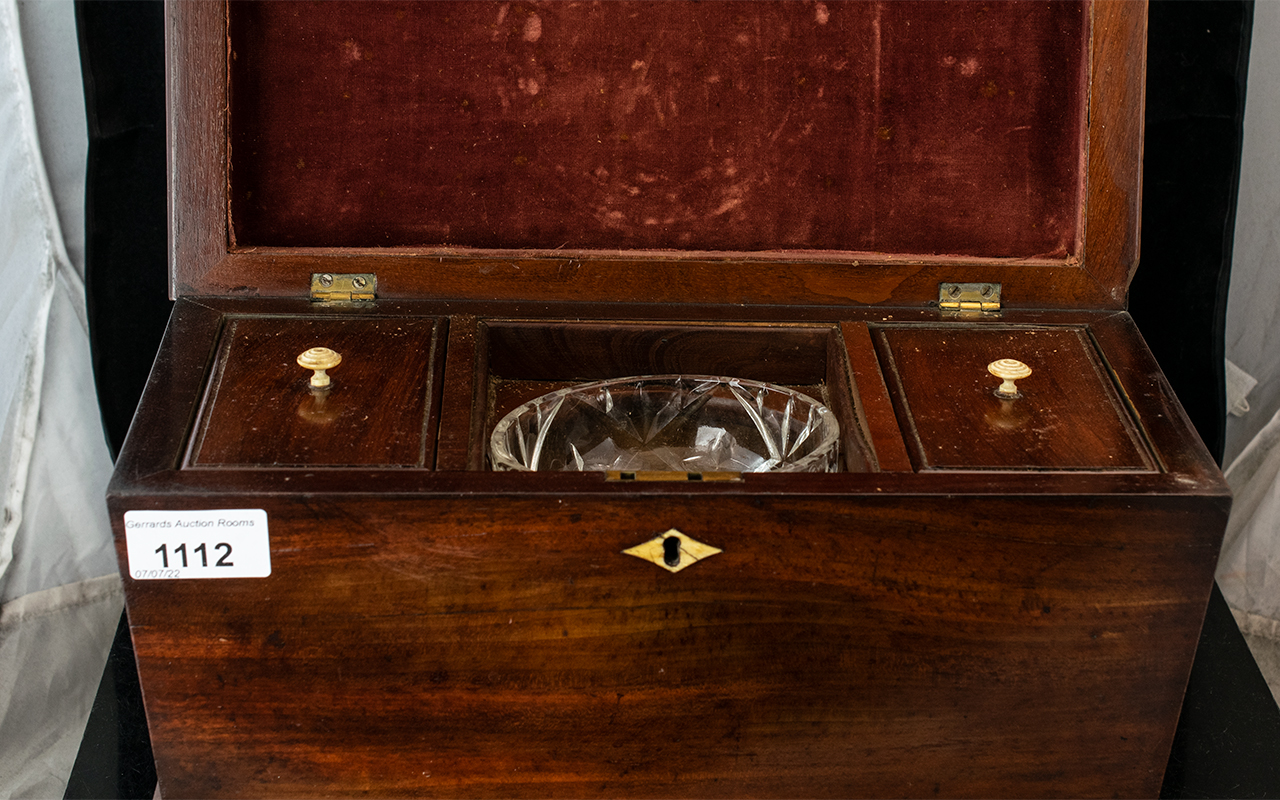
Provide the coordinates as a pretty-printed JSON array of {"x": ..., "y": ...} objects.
[{"x": 665, "y": 152}]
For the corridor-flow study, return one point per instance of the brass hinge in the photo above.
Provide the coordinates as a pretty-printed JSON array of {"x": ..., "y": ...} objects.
[
  {"x": 969, "y": 296},
  {"x": 332, "y": 287}
]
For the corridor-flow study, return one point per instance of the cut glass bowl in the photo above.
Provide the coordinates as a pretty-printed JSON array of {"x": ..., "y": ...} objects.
[{"x": 678, "y": 423}]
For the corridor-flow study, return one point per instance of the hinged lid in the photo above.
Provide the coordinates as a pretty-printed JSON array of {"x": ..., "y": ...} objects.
[{"x": 668, "y": 152}]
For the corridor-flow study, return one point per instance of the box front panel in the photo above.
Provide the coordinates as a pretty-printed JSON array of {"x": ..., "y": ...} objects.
[{"x": 507, "y": 646}]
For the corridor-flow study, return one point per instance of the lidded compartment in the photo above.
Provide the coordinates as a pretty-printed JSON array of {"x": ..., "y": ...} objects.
[
  {"x": 377, "y": 406},
  {"x": 1067, "y": 415}
]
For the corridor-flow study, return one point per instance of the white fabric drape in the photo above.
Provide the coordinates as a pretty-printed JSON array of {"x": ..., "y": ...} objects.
[
  {"x": 60, "y": 594},
  {"x": 1249, "y": 566},
  {"x": 1253, "y": 306}
]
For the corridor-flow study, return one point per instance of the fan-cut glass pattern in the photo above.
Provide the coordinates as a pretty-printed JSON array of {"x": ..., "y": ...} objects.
[{"x": 681, "y": 423}]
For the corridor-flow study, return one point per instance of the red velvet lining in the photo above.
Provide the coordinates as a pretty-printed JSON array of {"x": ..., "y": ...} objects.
[{"x": 896, "y": 127}]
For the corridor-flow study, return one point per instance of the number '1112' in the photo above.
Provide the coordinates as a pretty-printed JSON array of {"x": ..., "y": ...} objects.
[{"x": 181, "y": 550}]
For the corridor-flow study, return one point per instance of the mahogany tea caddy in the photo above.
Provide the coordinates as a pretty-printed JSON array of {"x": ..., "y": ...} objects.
[{"x": 474, "y": 204}]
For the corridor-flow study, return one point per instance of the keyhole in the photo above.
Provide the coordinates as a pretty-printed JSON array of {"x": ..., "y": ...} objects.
[{"x": 671, "y": 551}]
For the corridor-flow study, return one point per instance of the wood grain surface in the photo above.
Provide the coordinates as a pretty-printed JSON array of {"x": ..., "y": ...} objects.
[
  {"x": 875, "y": 409},
  {"x": 839, "y": 646},
  {"x": 889, "y": 632},
  {"x": 1068, "y": 417},
  {"x": 260, "y": 410}
]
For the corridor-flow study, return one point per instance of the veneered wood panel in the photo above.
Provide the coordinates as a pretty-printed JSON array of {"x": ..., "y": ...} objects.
[
  {"x": 196, "y": 130},
  {"x": 505, "y": 646},
  {"x": 1068, "y": 417},
  {"x": 1117, "y": 95},
  {"x": 876, "y": 409},
  {"x": 680, "y": 280},
  {"x": 562, "y": 350},
  {"x": 260, "y": 410},
  {"x": 466, "y": 380}
]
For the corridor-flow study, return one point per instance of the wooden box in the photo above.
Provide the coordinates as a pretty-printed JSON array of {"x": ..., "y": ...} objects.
[{"x": 333, "y": 593}]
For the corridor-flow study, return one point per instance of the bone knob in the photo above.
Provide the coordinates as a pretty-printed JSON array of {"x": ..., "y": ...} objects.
[
  {"x": 319, "y": 359},
  {"x": 1008, "y": 370}
]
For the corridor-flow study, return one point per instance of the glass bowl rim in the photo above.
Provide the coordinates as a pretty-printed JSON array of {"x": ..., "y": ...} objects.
[{"x": 830, "y": 430}]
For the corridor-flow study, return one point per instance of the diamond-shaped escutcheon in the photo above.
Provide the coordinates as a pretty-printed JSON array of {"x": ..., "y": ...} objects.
[{"x": 673, "y": 551}]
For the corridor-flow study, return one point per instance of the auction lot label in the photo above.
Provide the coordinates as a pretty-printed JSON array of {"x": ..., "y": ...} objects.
[{"x": 176, "y": 545}]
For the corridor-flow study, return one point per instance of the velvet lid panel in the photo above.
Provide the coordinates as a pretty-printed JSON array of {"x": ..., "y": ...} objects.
[{"x": 934, "y": 128}]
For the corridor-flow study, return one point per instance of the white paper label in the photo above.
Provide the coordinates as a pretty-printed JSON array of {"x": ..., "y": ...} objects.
[{"x": 222, "y": 543}]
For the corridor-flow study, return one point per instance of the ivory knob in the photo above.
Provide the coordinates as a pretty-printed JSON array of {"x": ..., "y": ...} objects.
[
  {"x": 319, "y": 359},
  {"x": 1008, "y": 370}
]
